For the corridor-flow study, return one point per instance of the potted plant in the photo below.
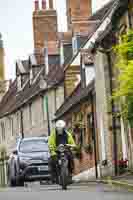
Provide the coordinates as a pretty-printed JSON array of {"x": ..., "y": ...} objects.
[{"x": 122, "y": 165}]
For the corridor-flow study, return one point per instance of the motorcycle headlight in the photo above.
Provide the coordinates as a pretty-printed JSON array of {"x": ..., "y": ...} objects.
[{"x": 61, "y": 148}]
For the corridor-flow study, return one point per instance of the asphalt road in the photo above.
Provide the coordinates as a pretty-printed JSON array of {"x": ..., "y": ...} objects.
[{"x": 90, "y": 191}]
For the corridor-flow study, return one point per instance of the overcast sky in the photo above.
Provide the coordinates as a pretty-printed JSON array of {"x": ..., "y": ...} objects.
[{"x": 16, "y": 28}]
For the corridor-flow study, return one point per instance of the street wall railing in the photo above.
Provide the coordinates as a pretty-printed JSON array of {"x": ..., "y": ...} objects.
[{"x": 3, "y": 171}]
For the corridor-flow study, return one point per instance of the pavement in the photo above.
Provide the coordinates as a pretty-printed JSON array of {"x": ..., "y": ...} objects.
[
  {"x": 125, "y": 180},
  {"x": 35, "y": 191},
  {"x": 85, "y": 176}
]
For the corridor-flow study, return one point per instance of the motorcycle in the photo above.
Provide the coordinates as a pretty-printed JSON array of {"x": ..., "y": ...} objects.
[{"x": 64, "y": 173}]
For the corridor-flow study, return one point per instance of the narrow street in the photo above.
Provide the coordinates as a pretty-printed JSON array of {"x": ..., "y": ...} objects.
[
  {"x": 66, "y": 99},
  {"x": 87, "y": 191}
]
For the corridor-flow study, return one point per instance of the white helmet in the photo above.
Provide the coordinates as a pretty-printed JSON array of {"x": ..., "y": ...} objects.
[{"x": 60, "y": 125}]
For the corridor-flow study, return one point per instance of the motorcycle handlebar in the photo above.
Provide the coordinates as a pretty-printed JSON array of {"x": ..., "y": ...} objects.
[{"x": 71, "y": 145}]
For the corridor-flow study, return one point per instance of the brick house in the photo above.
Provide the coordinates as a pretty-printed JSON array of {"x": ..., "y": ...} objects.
[
  {"x": 80, "y": 105},
  {"x": 78, "y": 111},
  {"x": 109, "y": 19},
  {"x": 114, "y": 137}
]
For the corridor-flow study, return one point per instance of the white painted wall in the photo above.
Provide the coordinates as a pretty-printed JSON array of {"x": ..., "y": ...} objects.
[{"x": 101, "y": 87}]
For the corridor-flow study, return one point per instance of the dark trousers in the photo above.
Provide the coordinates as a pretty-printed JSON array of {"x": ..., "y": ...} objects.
[{"x": 53, "y": 169}]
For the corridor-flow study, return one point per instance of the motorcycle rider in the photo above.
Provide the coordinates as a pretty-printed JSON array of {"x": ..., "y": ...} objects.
[{"x": 58, "y": 136}]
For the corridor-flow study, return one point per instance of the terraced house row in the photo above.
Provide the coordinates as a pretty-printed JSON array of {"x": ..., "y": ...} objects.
[{"x": 70, "y": 76}]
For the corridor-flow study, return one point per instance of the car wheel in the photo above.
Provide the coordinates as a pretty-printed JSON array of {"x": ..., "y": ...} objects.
[{"x": 12, "y": 182}]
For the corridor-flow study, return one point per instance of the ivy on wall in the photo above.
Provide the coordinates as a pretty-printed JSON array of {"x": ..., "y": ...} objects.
[{"x": 124, "y": 92}]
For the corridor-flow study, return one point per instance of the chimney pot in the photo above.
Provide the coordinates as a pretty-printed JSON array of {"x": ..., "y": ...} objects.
[
  {"x": 43, "y": 4},
  {"x": 36, "y": 5}
]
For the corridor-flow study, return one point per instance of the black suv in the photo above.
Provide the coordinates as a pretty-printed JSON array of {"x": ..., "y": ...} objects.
[{"x": 29, "y": 161}]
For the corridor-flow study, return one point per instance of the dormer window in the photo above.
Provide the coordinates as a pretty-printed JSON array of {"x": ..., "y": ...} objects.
[
  {"x": 31, "y": 76},
  {"x": 74, "y": 44},
  {"x": 61, "y": 54},
  {"x": 33, "y": 60},
  {"x": 22, "y": 70},
  {"x": 19, "y": 83},
  {"x": 87, "y": 68},
  {"x": 33, "y": 63},
  {"x": 35, "y": 69}
]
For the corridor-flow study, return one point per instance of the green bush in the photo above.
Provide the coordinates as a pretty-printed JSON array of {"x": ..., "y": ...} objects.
[{"x": 3, "y": 151}]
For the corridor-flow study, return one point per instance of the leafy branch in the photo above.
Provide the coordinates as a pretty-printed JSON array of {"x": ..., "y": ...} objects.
[{"x": 124, "y": 63}]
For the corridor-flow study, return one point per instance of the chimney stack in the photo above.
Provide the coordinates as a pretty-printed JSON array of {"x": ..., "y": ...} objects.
[
  {"x": 36, "y": 5},
  {"x": 44, "y": 21},
  {"x": 51, "y": 4},
  {"x": 44, "y": 4}
]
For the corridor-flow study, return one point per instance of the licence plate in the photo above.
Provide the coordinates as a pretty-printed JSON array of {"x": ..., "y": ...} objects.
[{"x": 43, "y": 168}]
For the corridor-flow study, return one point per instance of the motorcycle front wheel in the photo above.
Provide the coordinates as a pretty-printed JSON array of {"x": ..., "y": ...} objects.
[{"x": 64, "y": 176}]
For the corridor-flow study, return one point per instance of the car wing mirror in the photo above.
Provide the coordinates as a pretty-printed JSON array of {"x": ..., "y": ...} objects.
[{"x": 15, "y": 152}]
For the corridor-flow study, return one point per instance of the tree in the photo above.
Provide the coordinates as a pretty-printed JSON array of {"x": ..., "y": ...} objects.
[{"x": 124, "y": 53}]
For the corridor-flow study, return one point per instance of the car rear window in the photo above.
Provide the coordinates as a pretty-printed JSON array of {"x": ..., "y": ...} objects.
[{"x": 29, "y": 146}]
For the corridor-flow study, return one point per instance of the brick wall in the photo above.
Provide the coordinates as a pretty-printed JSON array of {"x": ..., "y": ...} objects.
[
  {"x": 71, "y": 117},
  {"x": 44, "y": 29},
  {"x": 78, "y": 11},
  {"x": 44, "y": 21},
  {"x": 85, "y": 163}
]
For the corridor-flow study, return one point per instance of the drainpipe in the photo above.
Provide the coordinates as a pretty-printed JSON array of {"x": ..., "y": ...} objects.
[
  {"x": 47, "y": 110},
  {"x": 21, "y": 119},
  {"x": 94, "y": 133}
]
